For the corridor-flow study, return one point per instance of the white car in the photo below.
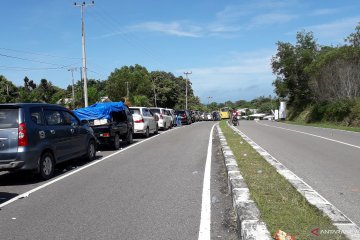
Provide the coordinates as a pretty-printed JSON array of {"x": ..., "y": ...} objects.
[
  {"x": 164, "y": 117},
  {"x": 144, "y": 121},
  {"x": 172, "y": 115}
]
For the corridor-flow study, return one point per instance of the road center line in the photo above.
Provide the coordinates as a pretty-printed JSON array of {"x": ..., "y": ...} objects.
[
  {"x": 204, "y": 231},
  {"x": 310, "y": 134}
]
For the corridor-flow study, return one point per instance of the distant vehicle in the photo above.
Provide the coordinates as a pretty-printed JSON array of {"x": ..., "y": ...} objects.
[
  {"x": 145, "y": 121},
  {"x": 257, "y": 116},
  {"x": 269, "y": 117},
  {"x": 165, "y": 121},
  {"x": 172, "y": 115},
  {"x": 225, "y": 113},
  {"x": 111, "y": 122},
  {"x": 37, "y": 136},
  {"x": 185, "y": 116},
  {"x": 208, "y": 116},
  {"x": 235, "y": 120}
]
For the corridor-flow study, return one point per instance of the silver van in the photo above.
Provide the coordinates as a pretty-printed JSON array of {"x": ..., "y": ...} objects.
[{"x": 37, "y": 136}]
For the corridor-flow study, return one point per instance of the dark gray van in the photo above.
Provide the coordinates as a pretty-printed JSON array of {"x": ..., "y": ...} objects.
[{"x": 37, "y": 136}]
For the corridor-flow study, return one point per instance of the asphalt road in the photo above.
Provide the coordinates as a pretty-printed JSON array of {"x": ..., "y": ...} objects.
[
  {"x": 327, "y": 159},
  {"x": 152, "y": 190}
]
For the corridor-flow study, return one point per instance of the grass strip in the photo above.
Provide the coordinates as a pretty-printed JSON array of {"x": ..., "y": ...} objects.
[
  {"x": 280, "y": 204},
  {"x": 326, "y": 125}
]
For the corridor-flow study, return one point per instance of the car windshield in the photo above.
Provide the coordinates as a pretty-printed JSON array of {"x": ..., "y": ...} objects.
[{"x": 9, "y": 118}]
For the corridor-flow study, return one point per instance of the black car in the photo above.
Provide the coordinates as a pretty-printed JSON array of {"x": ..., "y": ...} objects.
[
  {"x": 185, "y": 116},
  {"x": 111, "y": 122},
  {"x": 37, "y": 136}
]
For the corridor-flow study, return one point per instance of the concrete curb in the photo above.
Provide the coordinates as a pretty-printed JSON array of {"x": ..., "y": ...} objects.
[
  {"x": 247, "y": 214},
  {"x": 343, "y": 223}
]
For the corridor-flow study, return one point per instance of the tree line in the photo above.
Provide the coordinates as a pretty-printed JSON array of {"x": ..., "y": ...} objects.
[
  {"x": 320, "y": 83},
  {"x": 134, "y": 84}
]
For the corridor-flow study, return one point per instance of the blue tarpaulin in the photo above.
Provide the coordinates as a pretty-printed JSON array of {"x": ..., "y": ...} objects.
[{"x": 99, "y": 110}]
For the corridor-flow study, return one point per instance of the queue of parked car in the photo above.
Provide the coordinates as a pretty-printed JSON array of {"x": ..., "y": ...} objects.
[{"x": 38, "y": 136}]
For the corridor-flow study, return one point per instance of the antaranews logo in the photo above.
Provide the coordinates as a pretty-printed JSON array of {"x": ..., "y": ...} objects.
[{"x": 317, "y": 232}]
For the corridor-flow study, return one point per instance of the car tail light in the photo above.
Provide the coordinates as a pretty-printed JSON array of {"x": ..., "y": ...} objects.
[
  {"x": 141, "y": 120},
  {"x": 22, "y": 135},
  {"x": 104, "y": 134}
]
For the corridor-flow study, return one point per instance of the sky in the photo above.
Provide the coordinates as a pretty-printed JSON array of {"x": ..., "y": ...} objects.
[{"x": 227, "y": 44}]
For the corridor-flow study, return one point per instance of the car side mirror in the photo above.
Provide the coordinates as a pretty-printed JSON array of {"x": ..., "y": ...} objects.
[{"x": 84, "y": 122}]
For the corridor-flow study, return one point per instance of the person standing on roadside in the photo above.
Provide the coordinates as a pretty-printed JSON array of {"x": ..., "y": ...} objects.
[{"x": 178, "y": 120}]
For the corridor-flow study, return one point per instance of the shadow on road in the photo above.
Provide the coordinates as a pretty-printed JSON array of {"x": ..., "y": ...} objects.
[{"x": 5, "y": 196}]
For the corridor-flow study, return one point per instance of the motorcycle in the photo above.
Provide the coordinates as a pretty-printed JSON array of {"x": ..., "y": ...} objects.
[{"x": 234, "y": 121}]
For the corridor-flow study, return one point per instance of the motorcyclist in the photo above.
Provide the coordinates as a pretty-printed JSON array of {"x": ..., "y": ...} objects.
[{"x": 234, "y": 117}]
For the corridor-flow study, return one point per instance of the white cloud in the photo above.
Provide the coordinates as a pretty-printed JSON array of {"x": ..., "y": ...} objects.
[
  {"x": 324, "y": 11},
  {"x": 246, "y": 76},
  {"x": 334, "y": 31},
  {"x": 271, "y": 19},
  {"x": 172, "y": 28}
]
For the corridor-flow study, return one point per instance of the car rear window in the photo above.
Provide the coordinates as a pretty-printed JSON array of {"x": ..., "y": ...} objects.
[
  {"x": 179, "y": 112},
  {"x": 135, "y": 111},
  {"x": 9, "y": 118},
  {"x": 155, "y": 110}
]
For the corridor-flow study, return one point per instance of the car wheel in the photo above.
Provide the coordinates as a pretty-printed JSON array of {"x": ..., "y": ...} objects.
[
  {"x": 91, "y": 151},
  {"x": 116, "y": 142},
  {"x": 46, "y": 165},
  {"x": 130, "y": 138},
  {"x": 147, "y": 134}
]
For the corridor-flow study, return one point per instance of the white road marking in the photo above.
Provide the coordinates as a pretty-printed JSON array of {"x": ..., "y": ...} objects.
[
  {"x": 26, "y": 194},
  {"x": 205, "y": 221},
  {"x": 313, "y": 135}
]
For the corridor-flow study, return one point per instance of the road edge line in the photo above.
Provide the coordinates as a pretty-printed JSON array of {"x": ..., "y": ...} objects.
[
  {"x": 249, "y": 225},
  {"x": 338, "y": 218},
  {"x": 205, "y": 220}
]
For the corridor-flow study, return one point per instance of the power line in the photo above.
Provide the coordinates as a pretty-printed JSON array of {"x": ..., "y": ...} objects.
[
  {"x": 39, "y": 54},
  {"x": 15, "y": 68},
  {"x": 32, "y": 60}
]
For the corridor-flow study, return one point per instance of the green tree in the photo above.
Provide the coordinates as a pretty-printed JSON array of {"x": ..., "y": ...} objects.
[
  {"x": 137, "y": 78},
  {"x": 27, "y": 91},
  {"x": 45, "y": 91},
  {"x": 8, "y": 91},
  {"x": 140, "y": 100},
  {"x": 289, "y": 65},
  {"x": 354, "y": 38}
]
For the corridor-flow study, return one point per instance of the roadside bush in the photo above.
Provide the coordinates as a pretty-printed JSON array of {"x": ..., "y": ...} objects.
[
  {"x": 317, "y": 112},
  {"x": 355, "y": 114},
  {"x": 338, "y": 111}
]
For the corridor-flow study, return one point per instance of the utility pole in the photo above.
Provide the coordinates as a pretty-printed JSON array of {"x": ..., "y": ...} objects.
[
  {"x": 186, "y": 89},
  {"x": 127, "y": 91},
  {"x": 82, "y": 82},
  {"x": 73, "y": 89},
  {"x": 82, "y": 5},
  {"x": 154, "y": 92},
  {"x": 208, "y": 100}
]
